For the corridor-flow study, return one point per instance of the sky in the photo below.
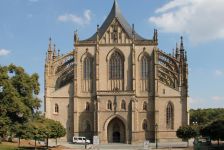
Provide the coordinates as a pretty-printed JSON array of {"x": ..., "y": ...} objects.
[{"x": 26, "y": 25}]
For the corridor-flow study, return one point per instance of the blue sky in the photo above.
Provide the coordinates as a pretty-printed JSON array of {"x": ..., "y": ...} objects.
[{"x": 26, "y": 25}]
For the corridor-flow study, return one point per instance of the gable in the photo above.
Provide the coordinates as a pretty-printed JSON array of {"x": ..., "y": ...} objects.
[{"x": 115, "y": 34}]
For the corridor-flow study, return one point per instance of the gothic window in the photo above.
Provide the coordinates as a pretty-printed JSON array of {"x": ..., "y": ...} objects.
[
  {"x": 87, "y": 106},
  {"x": 87, "y": 68},
  {"x": 56, "y": 108},
  {"x": 123, "y": 105},
  {"x": 109, "y": 105},
  {"x": 144, "y": 67},
  {"x": 169, "y": 116},
  {"x": 144, "y": 106},
  {"x": 116, "y": 67},
  {"x": 144, "y": 125}
]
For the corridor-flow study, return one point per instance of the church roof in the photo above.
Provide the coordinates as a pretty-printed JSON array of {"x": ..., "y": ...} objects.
[{"x": 115, "y": 13}]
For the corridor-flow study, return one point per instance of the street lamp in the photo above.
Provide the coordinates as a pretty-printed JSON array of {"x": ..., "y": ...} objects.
[{"x": 156, "y": 128}]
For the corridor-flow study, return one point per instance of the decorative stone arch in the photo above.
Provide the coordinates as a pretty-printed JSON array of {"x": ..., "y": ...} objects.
[
  {"x": 112, "y": 117},
  {"x": 86, "y": 54},
  {"x": 109, "y": 121},
  {"x": 143, "y": 53},
  {"x": 115, "y": 49}
]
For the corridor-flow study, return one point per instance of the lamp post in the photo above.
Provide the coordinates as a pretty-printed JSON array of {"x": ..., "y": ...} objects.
[{"x": 156, "y": 128}]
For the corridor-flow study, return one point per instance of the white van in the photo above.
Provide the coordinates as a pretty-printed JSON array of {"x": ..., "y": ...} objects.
[{"x": 80, "y": 140}]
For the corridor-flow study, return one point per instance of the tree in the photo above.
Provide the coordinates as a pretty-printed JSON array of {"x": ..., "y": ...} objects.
[
  {"x": 44, "y": 128},
  {"x": 206, "y": 116},
  {"x": 55, "y": 129},
  {"x": 215, "y": 130},
  {"x": 18, "y": 97},
  {"x": 186, "y": 132}
]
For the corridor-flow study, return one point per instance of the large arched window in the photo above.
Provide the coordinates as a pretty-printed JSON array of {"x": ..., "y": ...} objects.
[
  {"x": 169, "y": 116},
  {"x": 56, "y": 108},
  {"x": 109, "y": 105},
  {"x": 87, "y": 68},
  {"x": 116, "y": 67},
  {"x": 144, "y": 67},
  {"x": 123, "y": 105}
]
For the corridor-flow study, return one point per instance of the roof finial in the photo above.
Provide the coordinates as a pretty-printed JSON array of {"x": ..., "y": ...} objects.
[
  {"x": 155, "y": 36},
  {"x": 49, "y": 47},
  {"x": 54, "y": 53},
  {"x": 181, "y": 44},
  {"x": 58, "y": 52},
  {"x": 76, "y": 37}
]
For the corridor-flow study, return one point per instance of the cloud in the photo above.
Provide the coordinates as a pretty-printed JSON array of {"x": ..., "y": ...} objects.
[
  {"x": 201, "y": 20},
  {"x": 80, "y": 20},
  {"x": 218, "y": 72},
  {"x": 4, "y": 52},
  {"x": 217, "y": 98}
]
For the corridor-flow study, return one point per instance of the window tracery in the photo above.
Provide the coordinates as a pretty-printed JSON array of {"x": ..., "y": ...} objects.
[
  {"x": 169, "y": 116},
  {"x": 116, "y": 67}
]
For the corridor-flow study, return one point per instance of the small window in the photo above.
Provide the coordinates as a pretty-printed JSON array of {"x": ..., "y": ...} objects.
[
  {"x": 109, "y": 105},
  {"x": 144, "y": 106},
  {"x": 56, "y": 108},
  {"x": 123, "y": 105},
  {"x": 87, "y": 106},
  {"x": 144, "y": 125},
  {"x": 164, "y": 91}
]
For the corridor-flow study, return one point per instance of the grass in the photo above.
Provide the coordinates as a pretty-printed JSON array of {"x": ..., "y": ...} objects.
[
  {"x": 7, "y": 147},
  {"x": 14, "y": 146}
]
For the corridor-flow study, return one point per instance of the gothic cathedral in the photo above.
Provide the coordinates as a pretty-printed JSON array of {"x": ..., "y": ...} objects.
[{"x": 117, "y": 85}]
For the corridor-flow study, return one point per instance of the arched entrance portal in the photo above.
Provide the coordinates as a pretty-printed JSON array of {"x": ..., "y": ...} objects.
[{"x": 116, "y": 131}]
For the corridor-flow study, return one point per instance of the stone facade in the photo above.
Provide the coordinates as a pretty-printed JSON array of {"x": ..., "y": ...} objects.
[{"x": 117, "y": 85}]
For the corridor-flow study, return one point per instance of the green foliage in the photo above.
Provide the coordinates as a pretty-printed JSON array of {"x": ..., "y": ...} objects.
[
  {"x": 215, "y": 130},
  {"x": 18, "y": 100},
  {"x": 206, "y": 116},
  {"x": 186, "y": 132}
]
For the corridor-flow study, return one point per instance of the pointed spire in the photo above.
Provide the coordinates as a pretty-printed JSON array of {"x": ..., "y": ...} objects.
[
  {"x": 97, "y": 33},
  {"x": 133, "y": 32},
  {"x": 76, "y": 37},
  {"x": 54, "y": 53},
  {"x": 155, "y": 36},
  {"x": 177, "y": 51},
  {"x": 133, "y": 28},
  {"x": 58, "y": 52},
  {"x": 181, "y": 44},
  {"x": 49, "y": 45},
  {"x": 173, "y": 54}
]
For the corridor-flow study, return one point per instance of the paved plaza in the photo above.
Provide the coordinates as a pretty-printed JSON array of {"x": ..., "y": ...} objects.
[{"x": 117, "y": 146}]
